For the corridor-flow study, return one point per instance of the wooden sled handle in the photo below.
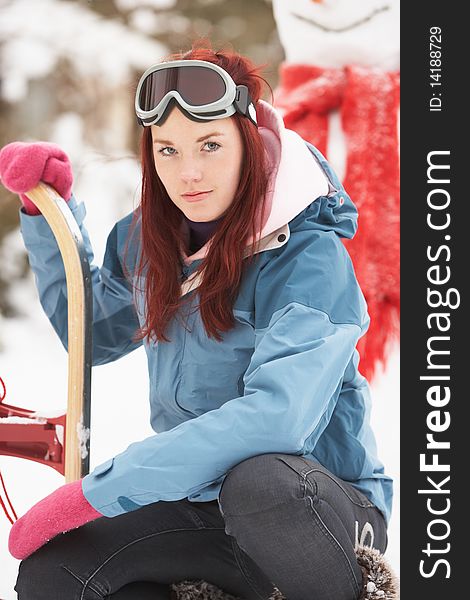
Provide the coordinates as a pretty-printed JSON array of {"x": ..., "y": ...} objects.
[{"x": 80, "y": 312}]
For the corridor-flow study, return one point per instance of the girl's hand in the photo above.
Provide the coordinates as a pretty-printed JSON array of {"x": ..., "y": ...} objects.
[
  {"x": 23, "y": 165},
  {"x": 64, "y": 509}
]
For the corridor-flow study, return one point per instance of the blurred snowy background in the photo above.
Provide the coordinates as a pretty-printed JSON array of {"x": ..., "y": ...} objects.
[{"x": 68, "y": 71}]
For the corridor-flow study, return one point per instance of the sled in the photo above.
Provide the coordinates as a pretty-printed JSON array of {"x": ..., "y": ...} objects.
[{"x": 60, "y": 441}]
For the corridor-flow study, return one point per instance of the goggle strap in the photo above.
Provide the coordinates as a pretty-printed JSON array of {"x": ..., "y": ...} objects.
[{"x": 243, "y": 101}]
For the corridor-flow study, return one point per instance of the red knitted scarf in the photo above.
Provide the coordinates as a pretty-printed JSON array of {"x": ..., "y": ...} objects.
[{"x": 368, "y": 100}]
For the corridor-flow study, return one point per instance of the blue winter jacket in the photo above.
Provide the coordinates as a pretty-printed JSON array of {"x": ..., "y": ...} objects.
[{"x": 285, "y": 379}]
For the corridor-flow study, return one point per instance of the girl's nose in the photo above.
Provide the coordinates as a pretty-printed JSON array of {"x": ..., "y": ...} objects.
[{"x": 191, "y": 172}]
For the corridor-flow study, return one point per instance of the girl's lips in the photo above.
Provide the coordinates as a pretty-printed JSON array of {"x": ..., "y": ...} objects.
[{"x": 196, "y": 197}]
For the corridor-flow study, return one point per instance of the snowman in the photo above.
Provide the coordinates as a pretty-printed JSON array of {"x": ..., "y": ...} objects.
[{"x": 339, "y": 90}]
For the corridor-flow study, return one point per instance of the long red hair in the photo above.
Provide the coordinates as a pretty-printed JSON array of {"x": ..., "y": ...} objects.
[{"x": 161, "y": 234}]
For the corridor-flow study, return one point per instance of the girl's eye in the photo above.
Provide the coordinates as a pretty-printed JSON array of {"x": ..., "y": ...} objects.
[
  {"x": 161, "y": 151},
  {"x": 213, "y": 149}
]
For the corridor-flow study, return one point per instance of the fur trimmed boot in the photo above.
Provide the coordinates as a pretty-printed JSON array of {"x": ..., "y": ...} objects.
[
  {"x": 379, "y": 582},
  {"x": 201, "y": 590}
]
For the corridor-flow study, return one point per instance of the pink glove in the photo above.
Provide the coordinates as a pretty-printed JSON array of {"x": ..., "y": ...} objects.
[
  {"x": 23, "y": 165},
  {"x": 64, "y": 509}
]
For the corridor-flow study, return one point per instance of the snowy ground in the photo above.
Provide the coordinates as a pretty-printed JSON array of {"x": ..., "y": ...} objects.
[{"x": 119, "y": 392}]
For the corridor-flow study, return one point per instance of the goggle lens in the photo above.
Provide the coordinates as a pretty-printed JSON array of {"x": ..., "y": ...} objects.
[{"x": 197, "y": 86}]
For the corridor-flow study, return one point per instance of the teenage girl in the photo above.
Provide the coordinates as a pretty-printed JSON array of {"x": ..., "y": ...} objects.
[{"x": 263, "y": 470}]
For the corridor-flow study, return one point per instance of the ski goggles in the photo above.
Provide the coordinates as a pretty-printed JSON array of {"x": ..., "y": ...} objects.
[{"x": 202, "y": 89}]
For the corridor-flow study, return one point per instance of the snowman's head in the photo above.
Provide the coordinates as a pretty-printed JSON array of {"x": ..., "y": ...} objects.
[{"x": 334, "y": 33}]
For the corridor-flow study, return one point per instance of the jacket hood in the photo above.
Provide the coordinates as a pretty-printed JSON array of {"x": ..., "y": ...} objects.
[{"x": 299, "y": 177}]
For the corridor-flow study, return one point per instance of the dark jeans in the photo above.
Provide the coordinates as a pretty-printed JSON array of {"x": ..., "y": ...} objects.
[{"x": 283, "y": 520}]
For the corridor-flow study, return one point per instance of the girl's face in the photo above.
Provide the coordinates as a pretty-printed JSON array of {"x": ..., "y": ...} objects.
[{"x": 198, "y": 157}]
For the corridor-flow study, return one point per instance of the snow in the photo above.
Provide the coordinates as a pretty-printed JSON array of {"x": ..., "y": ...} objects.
[
  {"x": 21, "y": 420},
  {"x": 145, "y": 20},
  {"x": 47, "y": 414},
  {"x": 156, "y": 4},
  {"x": 33, "y": 362},
  {"x": 95, "y": 46},
  {"x": 83, "y": 434},
  {"x": 38, "y": 60}
]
